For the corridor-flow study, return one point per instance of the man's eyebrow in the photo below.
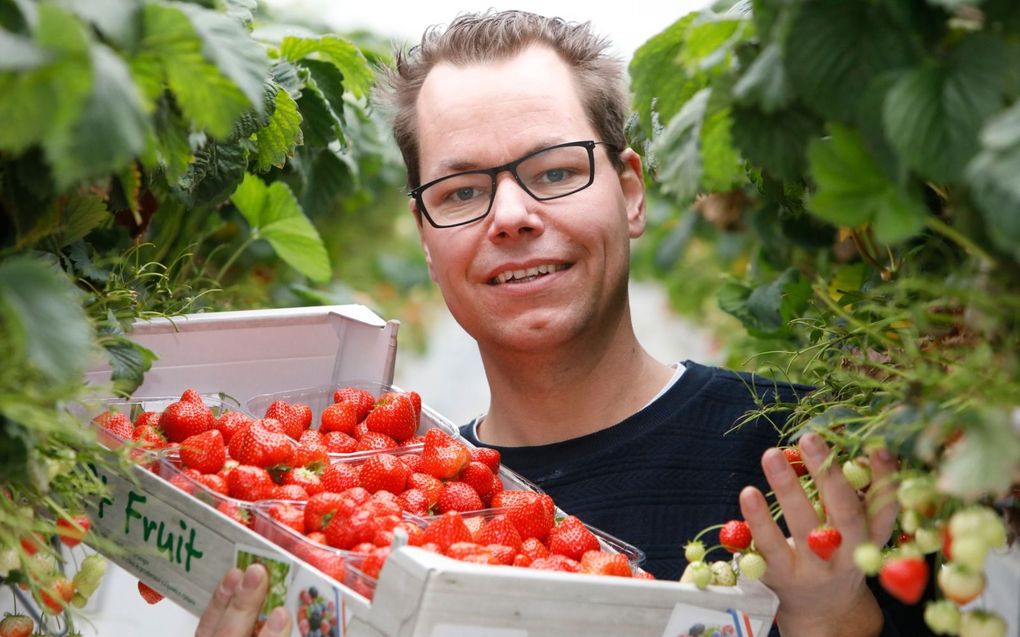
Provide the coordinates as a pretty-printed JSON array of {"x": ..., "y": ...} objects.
[{"x": 451, "y": 166}]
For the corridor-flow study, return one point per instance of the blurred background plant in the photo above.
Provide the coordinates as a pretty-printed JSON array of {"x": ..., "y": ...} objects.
[{"x": 850, "y": 169}]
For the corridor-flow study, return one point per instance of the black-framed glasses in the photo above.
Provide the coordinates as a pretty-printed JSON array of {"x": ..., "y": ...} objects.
[{"x": 549, "y": 173}]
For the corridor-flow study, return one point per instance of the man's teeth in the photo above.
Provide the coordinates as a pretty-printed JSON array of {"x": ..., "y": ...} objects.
[{"x": 527, "y": 273}]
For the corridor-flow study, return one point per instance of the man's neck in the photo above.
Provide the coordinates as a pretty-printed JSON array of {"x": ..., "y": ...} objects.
[{"x": 547, "y": 397}]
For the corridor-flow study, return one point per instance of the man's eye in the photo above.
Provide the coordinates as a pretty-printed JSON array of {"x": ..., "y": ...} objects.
[
  {"x": 464, "y": 194},
  {"x": 556, "y": 174}
]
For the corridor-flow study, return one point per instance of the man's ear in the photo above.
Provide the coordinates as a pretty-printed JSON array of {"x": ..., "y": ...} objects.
[
  {"x": 632, "y": 182},
  {"x": 413, "y": 206}
]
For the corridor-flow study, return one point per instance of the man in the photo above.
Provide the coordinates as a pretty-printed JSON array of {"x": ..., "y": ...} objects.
[{"x": 511, "y": 126}]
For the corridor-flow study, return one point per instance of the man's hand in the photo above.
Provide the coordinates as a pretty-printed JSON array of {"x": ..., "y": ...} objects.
[
  {"x": 816, "y": 596},
  {"x": 235, "y": 605}
]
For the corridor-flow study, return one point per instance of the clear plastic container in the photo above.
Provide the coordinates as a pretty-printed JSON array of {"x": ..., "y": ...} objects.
[{"x": 169, "y": 469}]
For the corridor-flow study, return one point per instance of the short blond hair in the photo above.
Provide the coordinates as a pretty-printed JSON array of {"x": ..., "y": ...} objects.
[{"x": 484, "y": 37}]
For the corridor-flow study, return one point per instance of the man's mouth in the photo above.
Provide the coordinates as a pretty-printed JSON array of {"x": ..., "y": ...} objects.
[{"x": 527, "y": 274}]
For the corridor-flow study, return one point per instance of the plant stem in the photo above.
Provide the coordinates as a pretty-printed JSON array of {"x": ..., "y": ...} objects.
[
  {"x": 244, "y": 246},
  {"x": 957, "y": 237}
]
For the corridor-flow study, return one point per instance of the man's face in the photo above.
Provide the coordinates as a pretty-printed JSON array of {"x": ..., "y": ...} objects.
[{"x": 485, "y": 115}]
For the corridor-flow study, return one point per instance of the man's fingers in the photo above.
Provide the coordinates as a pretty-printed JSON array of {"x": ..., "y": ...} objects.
[
  {"x": 218, "y": 605},
  {"x": 882, "y": 506},
  {"x": 842, "y": 504},
  {"x": 238, "y": 620},
  {"x": 277, "y": 624},
  {"x": 800, "y": 516},
  {"x": 768, "y": 538}
]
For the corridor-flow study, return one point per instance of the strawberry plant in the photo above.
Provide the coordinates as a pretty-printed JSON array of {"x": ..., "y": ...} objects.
[{"x": 851, "y": 169}]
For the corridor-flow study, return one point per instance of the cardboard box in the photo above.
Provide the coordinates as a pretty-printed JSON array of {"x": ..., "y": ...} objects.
[{"x": 182, "y": 546}]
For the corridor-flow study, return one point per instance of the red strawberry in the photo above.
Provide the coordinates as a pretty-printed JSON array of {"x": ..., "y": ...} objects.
[
  {"x": 289, "y": 492},
  {"x": 532, "y": 548},
  {"x": 339, "y": 477},
  {"x": 488, "y": 457},
  {"x": 530, "y": 516},
  {"x": 116, "y": 423},
  {"x": 499, "y": 530},
  {"x": 572, "y": 538},
  {"x": 304, "y": 478},
  {"x": 213, "y": 481},
  {"x": 959, "y": 584},
  {"x": 458, "y": 496},
  {"x": 236, "y": 512},
  {"x": 340, "y": 417},
  {"x": 412, "y": 460},
  {"x": 304, "y": 413},
  {"x": 384, "y": 472},
  {"x": 288, "y": 515},
  {"x": 263, "y": 444},
  {"x": 289, "y": 417},
  {"x": 796, "y": 463},
  {"x": 148, "y": 594},
  {"x": 230, "y": 422},
  {"x": 16, "y": 626},
  {"x": 56, "y": 595},
  {"x": 249, "y": 483},
  {"x": 71, "y": 531},
  {"x": 191, "y": 396},
  {"x": 321, "y": 507},
  {"x": 329, "y": 562},
  {"x": 502, "y": 554},
  {"x": 471, "y": 552},
  {"x": 414, "y": 501},
  {"x": 824, "y": 541},
  {"x": 605, "y": 563},
  {"x": 415, "y": 534},
  {"x": 149, "y": 436},
  {"x": 556, "y": 563},
  {"x": 375, "y": 441},
  {"x": 431, "y": 486},
  {"x": 512, "y": 497},
  {"x": 447, "y": 530},
  {"x": 904, "y": 578},
  {"x": 374, "y": 562},
  {"x": 311, "y": 451},
  {"x": 393, "y": 415},
  {"x": 443, "y": 456},
  {"x": 147, "y": 418},
  {"x": 360, "y": 430},
  {"x": 481, "y": 479},
  {"x": 735, "y": 536},
  {"x": 204, "y": 452},
  {"x": 339, "y": 442},
  {"x": 359, "y": 398},
  {"x": 344, "y": 532},
  {"x": 185, "y": 418}
]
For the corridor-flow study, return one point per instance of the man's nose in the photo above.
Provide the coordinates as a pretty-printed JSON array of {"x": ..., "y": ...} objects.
[{"x": 514, "y": 212}]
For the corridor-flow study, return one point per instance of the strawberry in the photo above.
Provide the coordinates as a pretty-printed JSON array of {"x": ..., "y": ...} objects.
[
  {"x": 339, "y": 477},
  {"x": 236, "y": 512},
  {"x": 443, "y": 456},
  {"x": 458, "y": 496},
  {"x": 499, "y": 530},
  {"x": 532, "y": 548},
  {"x": 87, "y": 579},
  {"x": 857, "y": 473},
  {"x": 735, "y": 536},
  {"x": 339, "y": 442},
  {"x": 288, "y": 515},
  {"x": 430, "y": 486},
  {"x": 289, "y": 417},
  {"x": 375, "y": 441},
  {"x": 16, "y": 626},
  {"x": 501, "y": 554},
  {"x": 340, "y": 417},
  {"x": 321, "y": 507},
  {"x": 488, "y": 457},
  {"x": 752, "y": 565},
  {"x": 412, "y": 460},
  {"x": 213, "y": 481},
  {"x": 943, "y": 617},
  {"x": 289, "y": 492},
  {"x": 304, "y": 414},
  {"x": 185, "y": 418},
  {"x": 447, "y": 530},
  {"x": 249, "y": 483},
  {"x": 311, "y": 451},
  {"x": 556, "y": 563},
  {"x": 796, "y": 463},
  {"x": 263, "y": 444},
  {"x": 384, "y": 472},
  {"x": 149, "y": 436},
  {"x": 204, "y": 452},
  {"x": 979, "y": 623},
  {"x": 960, "y": 584},
  {"x": 824, "y": 541},
  {"x": 904, "y": 578},
  {"x": 511, "y": 497},
  {"x": 470, "y": 552},
  {"x": 605, "y": 563},
  {"x": 115, "y": 423},
  {"x": 56, "y": 595},
  {"x": 304, "y": 478},
  {"x": 531, "y": 517},
  {"x": 230, "y": 422},
  {"x": 359, "y": 398},
  {"x": 393, "y": 415},
  {"x": 360, "y": 430},
  {"x": 572, "y": 538},
  {"x": 344, "y": 532},
  {"x": 148, "y": 594},
  {"x": 71, "y": 531},
  {"x": 191, "y": 396},
  {"x": 147, "y": 418},
  {"x": 329, "y": 562},
  {"x": 481, "y": 479},
  {"x": 374, "y": 562}
]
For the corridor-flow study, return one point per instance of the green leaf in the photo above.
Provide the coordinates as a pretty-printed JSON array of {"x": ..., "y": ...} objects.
[
  {"x": 992, "y": 177},
  {"x": 118, "y": 20},
  {"x": 677, "y": 150},
  {"x": 77, "y": 215},
  {"x": 128, "y": 361},
  {"x": 710, "y": 41},
  {"x": 765, "y": 82},
  {"x": 852, "y": 190},
  {"x": 328, "y": 176},
  {"x": 41, "y": 312},
  {"x": 984, "y": 460},
  {"x": 347, "y": 58},
  {"x": 111, "y": 130},
  {"x": 777, "y": 141},
  {"x": 834, "y": 49},
  {"x": 215, "y": 172},
  {"x": 1003, "y": 130},
  {"x": 657, "y": 83},
  {"x": 318, "y": 123},
  {"x": 722, "y": 168},
  {"x": 932, "y": 115},
  {"x": 276, "y": 142},
  {"x": 330, "y": 82},
  {"x": 275, "y": 215},
  {"x": 173, "y": 150},
  {"x": 242, "y": 10},
  {"x": 774, "y": 304},
  {"x": 18, "y": 53}
]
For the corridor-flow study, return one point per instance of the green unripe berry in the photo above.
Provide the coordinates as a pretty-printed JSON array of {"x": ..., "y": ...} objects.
[
  {"x": 943, "y": 617},
  {"x": 868, "y": 558},
  {"x": 694, "y": 551},
  {"x": 722, "y": 574},
  {"x": 752, "y": 565}
]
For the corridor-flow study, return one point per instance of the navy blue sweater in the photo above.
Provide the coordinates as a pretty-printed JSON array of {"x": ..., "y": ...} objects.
[{"x": 657, "y": 478}]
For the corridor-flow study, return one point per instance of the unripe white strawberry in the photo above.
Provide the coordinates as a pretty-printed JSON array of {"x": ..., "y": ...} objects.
[
  {"x": 943, "y": 617},
  {"x": 722, "y": 574},
  {"x": 960, "y": 584},
  {"x": 88, "y": 578},
  {"x": 697, "y": 573},
  {"x": 917, "y": 494},
  {"x": 910, "y": 521},
  {"x": 971, "y": 551},
  {"x": 978, "y": 623},
  {"x": 694, "y": 551},
  {"x": 978, "y": 521},
  {"x": 857, "y": 473},
  {"x": 9, "y": 561},
  {"x": 868, "y": 558},
  {"x": 928, "y": 540},
  {"x": 752, "y": 565}
]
